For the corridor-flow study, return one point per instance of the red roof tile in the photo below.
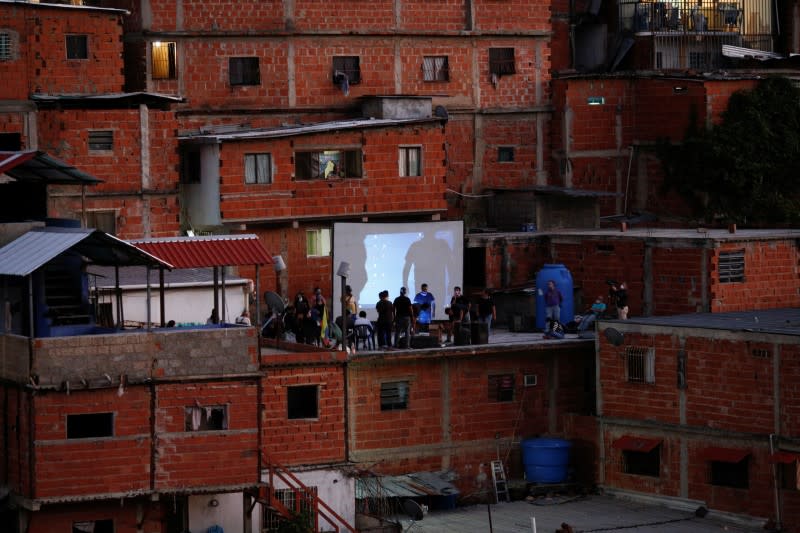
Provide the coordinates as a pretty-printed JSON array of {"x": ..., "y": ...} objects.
[{"x": 200, "y": 252}]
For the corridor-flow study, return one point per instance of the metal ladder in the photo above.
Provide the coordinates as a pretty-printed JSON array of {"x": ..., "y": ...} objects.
[{"x": 499, "y": 481}]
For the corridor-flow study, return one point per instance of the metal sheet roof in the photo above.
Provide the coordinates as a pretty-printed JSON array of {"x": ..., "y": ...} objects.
[
  {"x": 405, "y": 486},
  {"x": 211, "y": 251},
  {"x": 37, "y": 166},
  {"x": 36, "y": 247},
  {"x": 784, "y": 321}
]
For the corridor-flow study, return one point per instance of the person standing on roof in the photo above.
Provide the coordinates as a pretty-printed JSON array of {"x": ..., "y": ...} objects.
[
  {"x": 427, "y": 307},
  {"x": 552, "y": 302}
]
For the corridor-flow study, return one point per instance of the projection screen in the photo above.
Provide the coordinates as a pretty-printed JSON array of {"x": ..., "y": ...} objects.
[{"x": 385, "y": 256}]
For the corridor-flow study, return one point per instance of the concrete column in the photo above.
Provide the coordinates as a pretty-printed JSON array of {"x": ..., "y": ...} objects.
[
  {"x": 398, "y": 67},
  {"x": 446, "y": 435},
  {"x": 290, "y": 74},
  {"x": 647, "y": 268},
  {"x": 567, "y": 134}
]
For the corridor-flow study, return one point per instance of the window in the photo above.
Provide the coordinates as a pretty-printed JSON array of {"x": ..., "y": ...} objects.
[
  {"x": 102, "y": 219},
  {"x": 244, "y": 71},
  {"x": 273, "y": 521},
  {"x": 729, "y": 474},
  {"x": 258, "y": 168},
  {"x": 206, "y": 418},
  {"x": 501, "y": 388},
  {"x": 190, "y": 166},
  {"x": 101, "y": 140},
  {"x": 394, "y": 395},
  {"x": 346, "y": 67},
  {"x": 302, "y": 402},
  {"x": 505, "y": 154},
  {"x": 327, "y": 164},
  {"x": 77, "y": 47},
  {"x": 6, "y": 52},
  {"x": 435, "y": 68},
  {"x": 410, "y": 161},
  {"x": 94, "y": 425},
  {"x": 163, "y": 58},
  {"x": 94, "y": 526},
  {"x": 640, "y": 364},
  {"x": 642, "y": 463},
  {"x": 501, "y": 61},
  {"x": 731, "y": 266},
  {"x": 318, "y": 242}
]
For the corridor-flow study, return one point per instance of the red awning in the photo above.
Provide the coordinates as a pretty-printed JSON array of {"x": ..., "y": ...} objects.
[
  {"x": 725, "y": 455},
  {"x": 636, "y": 444},
  {"x": 210, "y": 251},
  {"x": 784, "y": 457}
]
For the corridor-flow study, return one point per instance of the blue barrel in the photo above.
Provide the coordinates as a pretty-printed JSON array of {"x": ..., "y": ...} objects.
[
  {"x": 563, "y": 279},
  {"x": 545, "y": 460}
]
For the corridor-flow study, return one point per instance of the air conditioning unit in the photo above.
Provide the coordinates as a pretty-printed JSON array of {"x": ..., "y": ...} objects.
[{"x": 531, "y": 380}]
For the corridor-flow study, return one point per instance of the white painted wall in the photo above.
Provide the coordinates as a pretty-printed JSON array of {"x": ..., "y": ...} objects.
[{"x": 229, "y": 514}]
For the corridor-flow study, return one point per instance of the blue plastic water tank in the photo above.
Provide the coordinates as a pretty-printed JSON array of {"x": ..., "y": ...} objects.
[
  {"x": 545, "y": 460},
  {"x": 561, "y": 275}
]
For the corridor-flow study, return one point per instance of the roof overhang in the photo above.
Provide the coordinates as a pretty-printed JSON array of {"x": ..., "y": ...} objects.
[
  {"x": 34, "y": 166},
  {"x": 631, "y": 443},
  {"x": 210, "y": 251}
]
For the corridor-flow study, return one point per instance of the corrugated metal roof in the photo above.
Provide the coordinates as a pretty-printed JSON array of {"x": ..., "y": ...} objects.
[
  {"x": 405, "y": 486},
  {"x": 211, "y": 251},
  {"x": 36, "y": 247},
  {"x": 36, "y": 166}
]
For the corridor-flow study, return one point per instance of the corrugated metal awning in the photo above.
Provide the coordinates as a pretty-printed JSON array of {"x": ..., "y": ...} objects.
[
  {"x": 36, "y": 166},
  {"x": 211, "y": 251},
  {"x": 35, "y": 248},
  {"x": 405, "y": 486},
  {"x": 636, "y": 444}
]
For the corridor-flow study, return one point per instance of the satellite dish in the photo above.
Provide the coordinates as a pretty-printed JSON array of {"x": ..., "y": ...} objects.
[
  {"x": 614, "y": 336},
  {"x": 274, "y": 301},
  {"x": 413, "y": 510}
]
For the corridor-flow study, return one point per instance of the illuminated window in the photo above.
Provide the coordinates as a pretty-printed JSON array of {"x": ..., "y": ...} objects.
[
  {"x": 318, "y": 242},
  {"x": 163, "y": 58},
  {"x": 410, "y": 161},
  {"x": 327, "y": 164}
]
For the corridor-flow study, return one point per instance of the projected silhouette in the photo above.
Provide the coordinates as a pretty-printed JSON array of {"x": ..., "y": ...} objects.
[{"x": 419, "y": 267}]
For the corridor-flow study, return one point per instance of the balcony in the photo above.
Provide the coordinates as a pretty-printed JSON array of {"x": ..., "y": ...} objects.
[{"x": 690, "y": 35}]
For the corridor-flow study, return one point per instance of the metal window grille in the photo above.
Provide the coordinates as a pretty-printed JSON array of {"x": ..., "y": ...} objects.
[
  {"x": 348, "y": 66},
  {"x": 435, "y": 68},
  {"x": 501, "y": 388},
  {"x": 258, "y": 168},
  {"x": 163, "y": 59},
  {"x": 731, "y": 266},
  {"x": 501, "y": 61},
  {"x": 101, "y": 140},
  {"x": 5, "y": 46},
  {"x": 293, "y": 499},
  {"x": 77, "y": 46},
  {"x": 640, "y": 364},
  {"x": 410, "y": 158},
  {"x": 394, "y": 395},
  {"x": 244, "y": 71}
]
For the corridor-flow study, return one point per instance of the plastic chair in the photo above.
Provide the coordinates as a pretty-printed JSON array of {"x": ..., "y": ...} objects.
[{"x": 364, "y": 335}]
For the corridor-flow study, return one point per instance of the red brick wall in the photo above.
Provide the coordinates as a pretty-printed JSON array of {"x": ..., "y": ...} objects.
[
  {"x": 380, "y": 189},
  {"x": 128, "y": 518},
  {"x": 304, "y": 441},
  {"x": 184, "y": 457},
  {"x": 789, "y": 392},
  {"x": 16, "y": 471},
  {"x": 518, "y": 132},
  {"x": 771, "y": 277},
  {"x": 72, "y": 467}
]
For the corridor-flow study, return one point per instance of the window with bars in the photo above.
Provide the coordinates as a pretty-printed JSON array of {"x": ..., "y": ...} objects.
[
  {"x": 348, "y": 66},
  {"x": 327, "y": 164},
  {"x": 410, "y": 161},
  {"x": 501, "y": 388},
  {"x": 244, "y": 71},
  {"x": 206, "y": 418},
  {"x": 6, "y": 51},
  {"x": 163, "y": 60},
  {"x": 258, "y": 168},
  {"x": 394, "y": 395},
  {"x": 731, "y": 266},
  {"x": 435, "y": 68},
  {"x": 302, "y": 402},
  {"x": 501, "y": 61},
  {"x": 101, "y": 140},
  {"x": 295, "y": 500},
  {"x": 640, "y": 364},
  {"x": 318, "y": 242},
  {"x": 77, "y": 46}
]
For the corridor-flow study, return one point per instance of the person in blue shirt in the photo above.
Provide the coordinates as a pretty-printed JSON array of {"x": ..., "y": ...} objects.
[{"x": 426, "y": 303}]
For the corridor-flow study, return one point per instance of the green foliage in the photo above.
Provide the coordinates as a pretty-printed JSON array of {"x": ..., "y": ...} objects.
[
  {"x": 302, "y": 522},
  {"x": 745, "y": 169}
]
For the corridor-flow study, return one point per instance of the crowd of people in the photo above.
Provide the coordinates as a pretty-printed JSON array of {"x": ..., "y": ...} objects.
[
  {"x": 398, "y": 320},
  {"x": 617, "y": 307}
]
